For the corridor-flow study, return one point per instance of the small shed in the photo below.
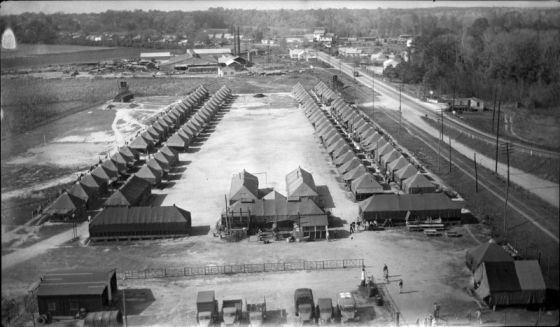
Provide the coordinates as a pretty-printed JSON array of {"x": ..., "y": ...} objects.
[{"x": 64, "y": 293}]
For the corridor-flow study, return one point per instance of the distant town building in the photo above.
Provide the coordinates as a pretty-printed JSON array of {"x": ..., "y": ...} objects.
[{"x": 350, "y": 52}]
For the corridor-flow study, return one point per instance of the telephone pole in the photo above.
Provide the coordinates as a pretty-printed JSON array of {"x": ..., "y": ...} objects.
[
  {"x": 497, "y": 135},
  {"x": 507, "y": 189},
  {"x": 440, "y": 140},
  {"x": 373, "y": 96},
  {"x": 494, "y": 95},
  {"x": 449, "y": 153}
]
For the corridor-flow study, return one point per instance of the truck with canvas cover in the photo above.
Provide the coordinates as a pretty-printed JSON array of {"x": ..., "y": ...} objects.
[
  {"x": 257, "y": 313},
  {"x": 325, "y": 311},
  {"x": 347, "y": 307},
  {"x": 207, "y": 308},
  {"x": 231, "y": 312},
  {"x": 304, "y": 305}
]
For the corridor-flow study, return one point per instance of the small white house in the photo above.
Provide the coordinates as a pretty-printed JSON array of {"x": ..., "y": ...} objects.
[{"x": 391, "y": 62}]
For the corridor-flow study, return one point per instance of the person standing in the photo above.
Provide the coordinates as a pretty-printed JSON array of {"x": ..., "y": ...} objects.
[
  {"x": 327, "y": 235},
  {"x": 400, "y": 286},
  {"x": 386, "y": 272},
  {"x": 363, "y": 276},
  {"x": 436, "y": 310}
]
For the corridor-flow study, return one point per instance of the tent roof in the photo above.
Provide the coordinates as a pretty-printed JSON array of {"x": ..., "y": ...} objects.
[
  {"x": 397, "y": 164},
  {"x": 366, "y": 184},
  {"x": 65, "y": 203},
  {"x": 355, "y": 173},
  {"x": 418, "y": 180},
  {"x": 406, "y": 172},
  {"x": 148, "y": 172},
  {"x": 486, "y": 252},
  {"x": 529, "y": 275},
  {"x": 132, "y": 190},
  {"x": 80, "y": 191},
  {"x": 92, "y": 181}
]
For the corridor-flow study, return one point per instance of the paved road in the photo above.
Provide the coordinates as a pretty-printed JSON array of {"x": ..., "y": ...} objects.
[{"x": 413, "y": 110}]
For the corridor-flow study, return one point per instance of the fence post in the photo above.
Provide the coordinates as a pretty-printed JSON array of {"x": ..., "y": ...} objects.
[
  {"x": 284, "y": 266},
  {"x": 145, "y": 274},
  {"x": 343, "y": 264},
  {"x": 184, "y": 271},
  {"x": 164, "y": 272}
]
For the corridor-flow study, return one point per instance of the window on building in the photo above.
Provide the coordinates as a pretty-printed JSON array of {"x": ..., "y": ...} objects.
[{"x": 51, "y": 306}]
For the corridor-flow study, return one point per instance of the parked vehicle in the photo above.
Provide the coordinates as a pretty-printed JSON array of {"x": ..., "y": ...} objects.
[
  {"x": 256, "y": 313},
  {"x": 325, "y": 312},
  {"x": 207, "y": 308},
  {"x": 304, "y": 305},
  {"x": 347, "y": 307},
  {"x": 231, "y": 312}
]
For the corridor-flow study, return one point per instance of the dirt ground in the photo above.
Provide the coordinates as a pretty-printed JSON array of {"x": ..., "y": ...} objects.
[{"x": 266, "y": 135}]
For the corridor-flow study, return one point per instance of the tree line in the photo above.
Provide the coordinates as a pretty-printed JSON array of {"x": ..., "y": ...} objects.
[{"x": 512, "y": 52}]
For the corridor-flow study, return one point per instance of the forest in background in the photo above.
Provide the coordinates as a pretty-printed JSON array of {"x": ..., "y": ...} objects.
[{"x": 513, "y": 53}]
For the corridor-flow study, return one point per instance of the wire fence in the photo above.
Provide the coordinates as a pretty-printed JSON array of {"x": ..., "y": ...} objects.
[{"x": 241, "y": 268}]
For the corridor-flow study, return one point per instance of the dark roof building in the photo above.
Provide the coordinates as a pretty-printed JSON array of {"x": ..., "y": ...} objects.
[
  {"x": 140, "y": 222},
  {"x": 95, "y": 183},
  {"x": 420, "y": 206},
  {"x": 134, "y": 192},
  {"x": 63, "y": 293},
  {"x": 486, "y": 252}
]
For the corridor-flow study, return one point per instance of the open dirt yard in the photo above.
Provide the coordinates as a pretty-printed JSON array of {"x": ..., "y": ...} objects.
[{"x": 270, "y": 135}]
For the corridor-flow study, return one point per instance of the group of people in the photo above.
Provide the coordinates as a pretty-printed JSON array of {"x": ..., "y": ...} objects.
[{"x": 431, "y": 319}]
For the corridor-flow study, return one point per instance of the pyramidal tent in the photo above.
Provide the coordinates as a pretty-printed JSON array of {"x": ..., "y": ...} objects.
[{"x": 486, "y": 252}]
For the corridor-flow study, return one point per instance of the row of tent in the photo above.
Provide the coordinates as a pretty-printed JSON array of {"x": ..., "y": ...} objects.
[
  {"x": 94, "y": 184},
  {"x": 376, "y": 203},
  {"x": 355, "y": 174},
  {"x": 395, "y": 165},
  {"x": 159, "y": 165},
  {"x": 169, "y": 121}
]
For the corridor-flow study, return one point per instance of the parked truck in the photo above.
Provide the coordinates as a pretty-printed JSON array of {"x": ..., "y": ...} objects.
[
  {"x": 232, "y": 311},
  {"x": 207, "y": 308},
  {"x": 325, "y": 312},
  {"x": 256, "y": 313},
  {"x": 347, "y": 307},
  {"x": 304, "y": 305}
]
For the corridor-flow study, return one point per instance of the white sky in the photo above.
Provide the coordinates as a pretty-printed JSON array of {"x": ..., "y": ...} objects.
[{"x": 48, "y": 7}]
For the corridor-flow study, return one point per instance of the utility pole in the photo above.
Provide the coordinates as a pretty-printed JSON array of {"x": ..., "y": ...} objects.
[
  {"x": 494, "y": 95},
  {"x": 373, "y": 96},
  {"x": 124, "y": 307},
  {"x": 475, "y": 174},
  {"x": 440, "y": 139},
  {"x": 449, "y": 153},
  {"x": 507, "y": 189},
  {"x": 498, "y": 135}
]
